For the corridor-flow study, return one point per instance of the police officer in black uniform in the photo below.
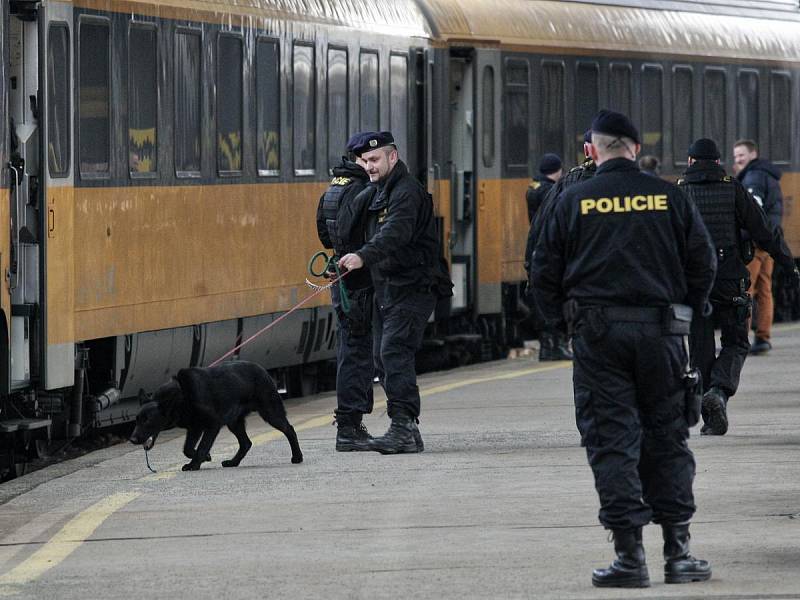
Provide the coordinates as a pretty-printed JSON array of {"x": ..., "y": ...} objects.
[
  {"x": 627, "y": 255},
  {"x": 341, "y": 220},
  {"x": 727, "y": 209},
  {"x": 549, "y": 172},
  {"x": 403, "y": 255}
]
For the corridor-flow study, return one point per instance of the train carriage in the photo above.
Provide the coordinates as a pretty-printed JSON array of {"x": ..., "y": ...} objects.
[{"x": 163, "y": 162}]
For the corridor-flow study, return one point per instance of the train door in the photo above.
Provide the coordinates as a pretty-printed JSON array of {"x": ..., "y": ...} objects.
[
  {"x": 461, "y": 235},
  {"x": 39, "y": 105}
]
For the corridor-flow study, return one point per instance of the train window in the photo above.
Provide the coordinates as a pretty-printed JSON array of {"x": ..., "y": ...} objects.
[
  {"x": 747, "y": 106},
  {"x": 682, "y": 113},
  {"x": 142, "y": 101},
  {"x": 268, "y": 107},
  {"x": 516, "y": 119},
  {"x": 94, "y": 99},
  {"x": 714, "y": 106},
  {"x": 780, "y": 99},
  {"x": 587, "y": 101},
  {"x": 552, "y": 115},
  {"x": 652, "y": 111},
  {"x": 337, "y": 104},
  {"x": 229, "y": 104},
  {"x": 398, "y": 104},
  {"x": 187, "y": 104},
  {"x": 369, "y": 109},
  {"x": 487, "y": 118},
  {"x": 619, "y": 88},
  {"x": 304, "y": 101},
  {"x": 58, "y": 117}
]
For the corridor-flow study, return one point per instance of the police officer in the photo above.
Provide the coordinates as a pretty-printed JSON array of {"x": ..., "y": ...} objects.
[
  {"x": 549, "y": 172},
  {"x": 341, "y": 218},
  {"x": 402, "y": 254},
  {"x": 727, "y": 209},
  {"x": 554, "y": 342},
  {"x": 625, "y": 253},
  {"x": 762, "y": 180}
]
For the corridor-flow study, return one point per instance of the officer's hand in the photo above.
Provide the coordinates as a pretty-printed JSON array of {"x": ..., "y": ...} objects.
[{"x": 351, "y": 261}]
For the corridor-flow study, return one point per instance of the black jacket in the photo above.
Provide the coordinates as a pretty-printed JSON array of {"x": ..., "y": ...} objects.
[
  {"x": 622, "y": 239},
  {"x": 404, "y": 250},
  {"x": 535, "y": 195},
  {"x": 345, "y": 202},
  {"x": 762, "y": 180},
  {"x": 749, "y": 217}
]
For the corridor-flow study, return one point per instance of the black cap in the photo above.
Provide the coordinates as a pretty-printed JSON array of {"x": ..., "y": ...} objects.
[
  {"x": 369, "y": 140},
  {"x": 587, "y": 136},
  {"x": 704, "y": 149},
  {"x": 550, "y": 163},
  {"x": 615, "y": 124}
]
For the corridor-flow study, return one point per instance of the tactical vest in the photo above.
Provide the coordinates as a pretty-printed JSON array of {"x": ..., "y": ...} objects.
[
  {"x": 331, "y": 201},
  {"x": 716, "y": 202}
]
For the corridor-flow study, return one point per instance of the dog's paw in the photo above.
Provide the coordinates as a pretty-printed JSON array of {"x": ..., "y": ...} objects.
[
  {"x": 191, "y": 466},
  {"x": 297, "y": 459},
  {"x": 207, "y": 458},
  {"x": 229, "y": 463}
]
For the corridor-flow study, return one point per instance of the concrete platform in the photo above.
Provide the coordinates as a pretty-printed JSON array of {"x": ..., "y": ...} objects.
[{"x": 500, "y": 505}]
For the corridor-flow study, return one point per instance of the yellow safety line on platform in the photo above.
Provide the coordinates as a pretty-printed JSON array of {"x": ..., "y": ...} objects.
[{"x": 62, "y": 544}]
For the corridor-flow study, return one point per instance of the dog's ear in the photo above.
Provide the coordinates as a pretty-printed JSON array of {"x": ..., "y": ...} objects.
[{"x": 187, "y": 380}]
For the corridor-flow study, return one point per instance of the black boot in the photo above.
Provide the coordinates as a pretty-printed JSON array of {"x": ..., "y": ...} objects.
[
  {"x": 629, "y": 569},
  {"x": 402, "y": 437},
  {"x": 562, "y": 347},
  {"x": 546, "y": 343},
  {"x": 351, "y": 434},
  {"x": 679, "y": 565},
  {"x": 714, "y": 411}
]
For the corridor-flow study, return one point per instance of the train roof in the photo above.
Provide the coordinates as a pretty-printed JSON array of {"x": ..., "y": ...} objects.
[
  {"x": 641, "y": 27},
  {"x": 767, "y": 30}
]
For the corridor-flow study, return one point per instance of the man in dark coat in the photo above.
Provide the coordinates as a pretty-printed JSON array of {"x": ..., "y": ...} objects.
[
  {"x": 626, "y": 255},
  {"x": 762, "y": 179},
  {"x": 727, "y": 210},
  {"x": 403, "y": 256},
  {"x": 549, "y": 173}
]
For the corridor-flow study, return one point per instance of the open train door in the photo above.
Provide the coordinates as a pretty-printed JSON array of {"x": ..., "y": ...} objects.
[{"x": 40, "y": 101}]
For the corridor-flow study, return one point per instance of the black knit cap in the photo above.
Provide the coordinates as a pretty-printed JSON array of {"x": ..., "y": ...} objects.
[
  {"x": 369, "y": 140},
  {"x": 587, "y": 136},
  {"x": 615, "y": 124},
  {"x": 550, "y": 163},
  {"x": 704, "y": 149}
]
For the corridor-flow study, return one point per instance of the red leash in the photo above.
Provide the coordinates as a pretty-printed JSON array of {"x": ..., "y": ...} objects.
[{"x": 279, "y": 319}]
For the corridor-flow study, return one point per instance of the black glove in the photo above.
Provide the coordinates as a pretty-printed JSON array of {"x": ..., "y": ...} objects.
[{"x": 792, "y": 277}]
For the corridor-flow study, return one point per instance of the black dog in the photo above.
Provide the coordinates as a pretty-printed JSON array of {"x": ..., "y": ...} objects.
[{"x": 202, "y": 400}]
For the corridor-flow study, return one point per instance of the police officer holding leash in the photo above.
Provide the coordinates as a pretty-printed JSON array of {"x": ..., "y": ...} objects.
[
  {"x": 403, "y": 256},
  {"x": 727, "y": 209},
  {"x": 628, "y": 257},
  {"x": 341, "y": 220}
]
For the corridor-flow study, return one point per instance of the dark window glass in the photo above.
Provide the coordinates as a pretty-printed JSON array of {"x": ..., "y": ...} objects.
[
  {"x": 268, "y": 104},
  {"x": 780, "y": 99},
  {"x": 552, "y": 121},
  {"x": 187, "y": 103},
  {"x": 304, "y": 100},
  {"x": 142, "y": 100},
  {"x": 58, "y": 117},
  {"x": 337, "y": 105},
  {"x": 94, "y": 100},
  {"x": 652, "y": 112},
  {"x": 682, "y": 113},
  {"x": 229, "y": 104},
  {"x": 747, "y": 106},
  {"x": 714, "y": 103},
  {"x": 587, "y": 102},
  {"x": 619, "y": 88},
  {"x": 398, "y": 104},
  {"x": 487, "y": 120},
  {"x": 516, "y": 114},
  {"x": 368, "y": 95}
]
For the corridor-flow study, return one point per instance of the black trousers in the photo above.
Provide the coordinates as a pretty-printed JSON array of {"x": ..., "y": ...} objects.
[
  {"x": 398, "y": 325},
  {"x": 722, "y": 370},
  {"x": 629, "y": 408},
  {"x": 354, "y": 365}
]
